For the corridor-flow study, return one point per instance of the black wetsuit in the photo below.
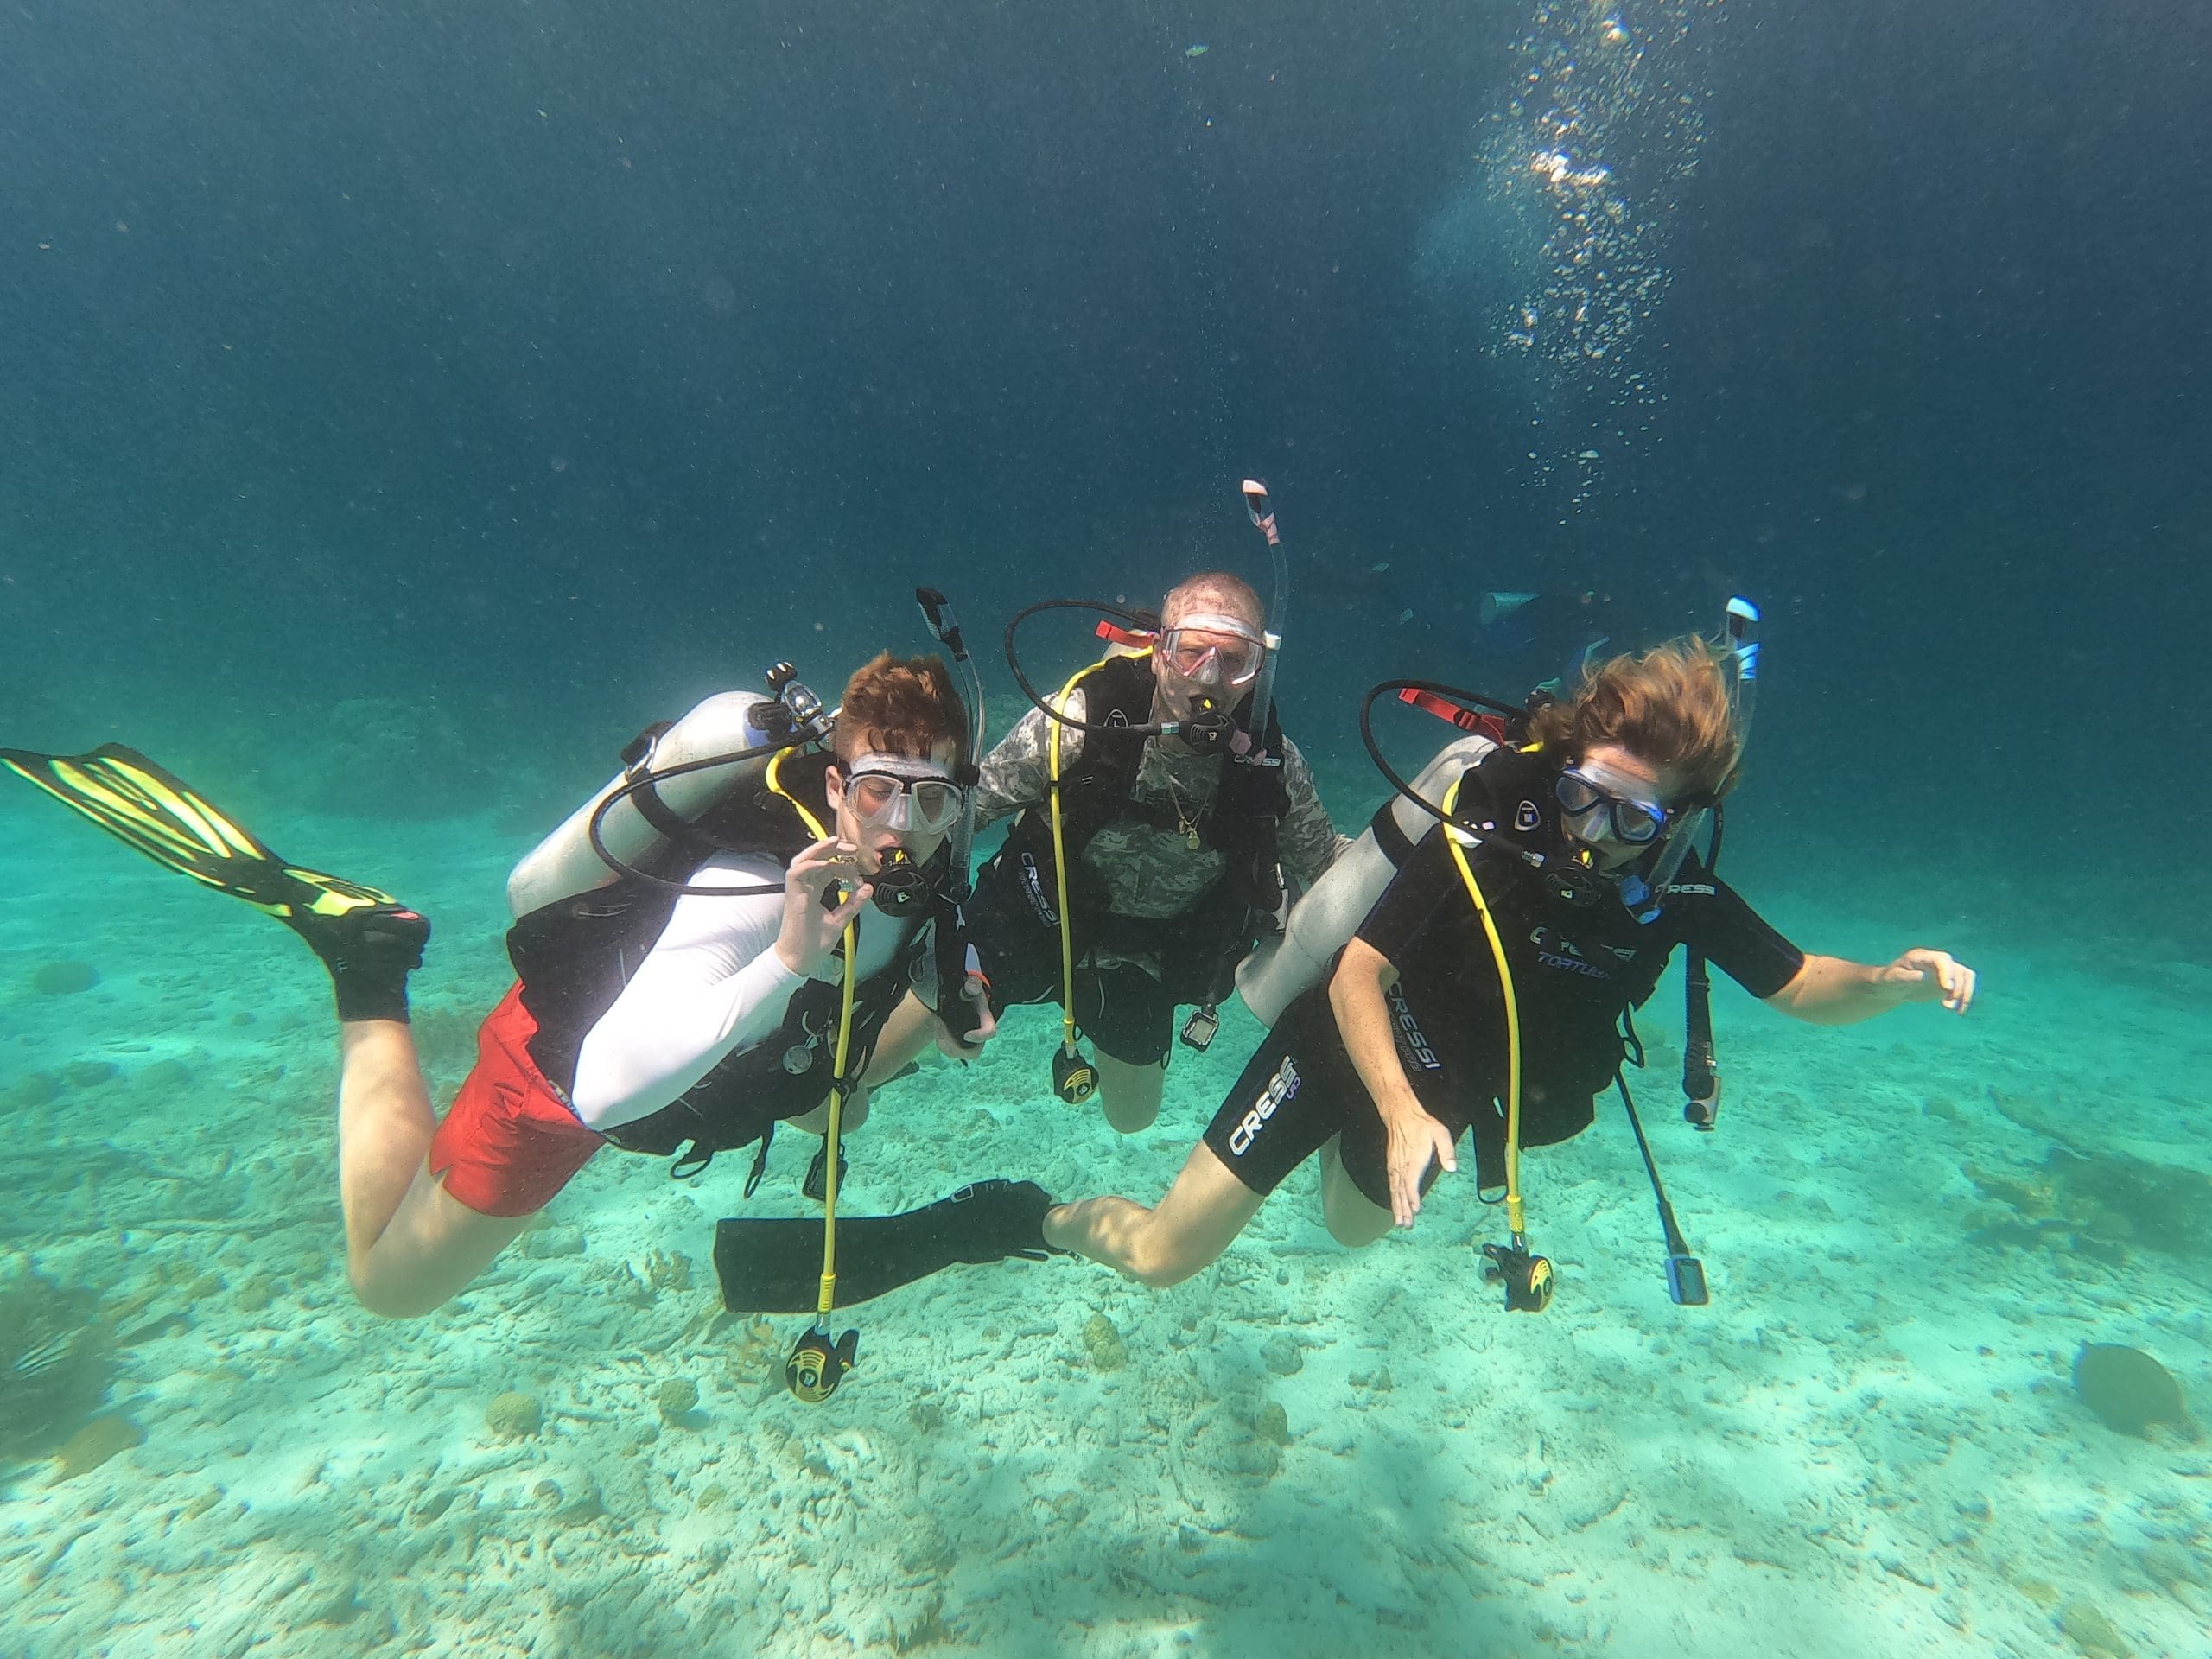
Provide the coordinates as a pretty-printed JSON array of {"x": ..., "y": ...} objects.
[{"x": 1575, "y": 971}]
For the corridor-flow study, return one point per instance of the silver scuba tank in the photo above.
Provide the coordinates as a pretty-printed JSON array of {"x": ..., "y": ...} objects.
[
  {"x": 1330, "y": 912},
  {"x": 739, "y": 724}
]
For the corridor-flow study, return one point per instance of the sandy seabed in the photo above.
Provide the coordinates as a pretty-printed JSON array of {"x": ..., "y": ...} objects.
[{"x": 1868, "y": 1443}]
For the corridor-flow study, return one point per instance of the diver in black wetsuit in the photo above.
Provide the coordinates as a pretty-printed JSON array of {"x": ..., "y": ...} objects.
[{"x": 1407, "y": 1045}]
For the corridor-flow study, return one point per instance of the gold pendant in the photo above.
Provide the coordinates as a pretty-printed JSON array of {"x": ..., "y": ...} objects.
[{"x": 1191, "y": 837}]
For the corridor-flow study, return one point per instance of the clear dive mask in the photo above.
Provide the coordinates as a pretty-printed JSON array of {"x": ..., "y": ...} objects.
[
  {"x": 892, "y": 792},
  {"x": 1212, "y": 649}
]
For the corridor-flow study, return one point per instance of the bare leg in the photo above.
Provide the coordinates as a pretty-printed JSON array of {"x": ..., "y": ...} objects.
[
  {"x": 816, "y": 1122},
  {"x": 1352, "y": 1218},
  {"x": 1131, "y": 1093},
  {"x": 409, "y": 1245},
  {"x": 1201, "y": 1215}
]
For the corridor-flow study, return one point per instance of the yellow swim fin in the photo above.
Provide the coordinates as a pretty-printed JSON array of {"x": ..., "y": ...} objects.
[{"x": 164, "y": 817}]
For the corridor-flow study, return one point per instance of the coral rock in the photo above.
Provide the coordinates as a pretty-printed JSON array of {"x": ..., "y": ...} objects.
[
  {"x": 514, "y": 1416},
  {"x": 2130, "y": 1391},
  {"x": 678, "y": 1398},
  {"x": 1103, "y": 1344},
  {"x": 2091, "y": 1632},
  {"x": 64, "y": 978}
]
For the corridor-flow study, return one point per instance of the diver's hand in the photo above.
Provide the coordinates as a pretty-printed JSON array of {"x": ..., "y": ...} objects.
[
  {"x": 811, "y": 929},
  {"x": 987, "y": 1024},
  {"x": 1416, "y": 1140},
  {"x": 1924, "y": 976}
]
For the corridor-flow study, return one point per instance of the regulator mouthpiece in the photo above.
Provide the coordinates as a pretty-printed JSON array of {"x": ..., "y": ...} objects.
[
  {"x": 1209, "y": 727},
  {"x": 901, "y": 885}
]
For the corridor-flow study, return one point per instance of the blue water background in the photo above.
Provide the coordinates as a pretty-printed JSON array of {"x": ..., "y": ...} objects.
[{"x": 401, "y": 405}]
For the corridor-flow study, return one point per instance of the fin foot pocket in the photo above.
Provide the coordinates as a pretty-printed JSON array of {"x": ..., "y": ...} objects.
[{"x": 370, "y": 954}]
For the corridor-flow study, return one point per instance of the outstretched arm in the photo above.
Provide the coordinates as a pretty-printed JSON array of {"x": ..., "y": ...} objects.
[{"x": 1829, "y": 991}]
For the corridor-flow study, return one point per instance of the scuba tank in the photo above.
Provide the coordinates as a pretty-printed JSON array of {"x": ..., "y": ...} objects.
[
  {"x": 673, "y": 773},
  {"x": 1331, "y": 910}
]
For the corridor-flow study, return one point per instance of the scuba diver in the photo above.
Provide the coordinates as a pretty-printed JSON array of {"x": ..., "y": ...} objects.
[
  {"x": 1471, "y": 965},
  {"x": 710, "y": 945},
  {"x": 1159, "y": 808}
]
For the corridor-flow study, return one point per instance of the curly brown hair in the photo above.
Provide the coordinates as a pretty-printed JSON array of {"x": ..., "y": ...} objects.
[
  {"x": 902, "y": 707},
  {"x": 1669, "y": 705}
]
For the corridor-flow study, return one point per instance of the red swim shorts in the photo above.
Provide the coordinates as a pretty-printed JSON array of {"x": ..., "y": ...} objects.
[{"x": 510, "y": 1142}]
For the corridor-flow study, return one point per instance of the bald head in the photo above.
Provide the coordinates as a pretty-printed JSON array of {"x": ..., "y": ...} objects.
[{"x": 1214, "y": 591}]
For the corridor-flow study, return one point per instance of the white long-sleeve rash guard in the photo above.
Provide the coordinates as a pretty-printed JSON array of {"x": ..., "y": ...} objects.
[{"x": 711, "y": 985}]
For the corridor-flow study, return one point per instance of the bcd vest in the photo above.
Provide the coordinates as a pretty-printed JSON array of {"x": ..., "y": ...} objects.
[
  {"x": 1241, "y": 822},
  {"x": 575, "y": 955}
]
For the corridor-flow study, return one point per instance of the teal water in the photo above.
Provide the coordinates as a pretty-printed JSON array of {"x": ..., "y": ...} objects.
[{"x": 400, "y": 408}]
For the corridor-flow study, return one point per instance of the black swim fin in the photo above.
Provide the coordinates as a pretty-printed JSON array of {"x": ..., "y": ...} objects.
[{"x": 775, "y": 1266}]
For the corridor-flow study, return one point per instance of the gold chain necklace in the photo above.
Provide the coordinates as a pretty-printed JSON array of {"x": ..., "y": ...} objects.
[{"x": 1186, "y": 825}]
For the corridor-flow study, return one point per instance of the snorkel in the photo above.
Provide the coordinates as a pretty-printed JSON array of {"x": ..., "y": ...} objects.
[
  {"x": 1645, "y": 895},
  {"x": 1262, "y": 514},
  {"x": 957, "y": 956},
  {"x": 936, "y": 612},
  {"x": 901, "y": 884}
]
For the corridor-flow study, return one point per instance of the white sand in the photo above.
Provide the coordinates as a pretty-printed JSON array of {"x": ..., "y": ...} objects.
[{"x": 1868, "y": 1443}]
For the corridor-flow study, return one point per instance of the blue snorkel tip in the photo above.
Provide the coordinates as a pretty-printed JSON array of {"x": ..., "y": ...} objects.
[{"x": 1641, "y": 901}]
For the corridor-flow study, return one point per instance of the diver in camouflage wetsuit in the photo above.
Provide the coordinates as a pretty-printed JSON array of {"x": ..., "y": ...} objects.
[{"x": 1177, "y": 857}]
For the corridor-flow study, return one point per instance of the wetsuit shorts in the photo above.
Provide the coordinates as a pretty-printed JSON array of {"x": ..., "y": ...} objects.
[
  {"x": 510, "y": 1142},
  {"x": 1122, "y": 1009},
  {"x": 1296, "y": 1091}
]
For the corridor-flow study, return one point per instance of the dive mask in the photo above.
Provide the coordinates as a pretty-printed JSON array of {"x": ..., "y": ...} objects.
[
  {"x": 1603, "y": 804},
  {"x": 889, "y": 792},
  {"x": 1213, "y": 649}
]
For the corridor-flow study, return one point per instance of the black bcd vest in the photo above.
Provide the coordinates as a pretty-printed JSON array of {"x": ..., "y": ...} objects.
[{"x": 1243, "y": 822}]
